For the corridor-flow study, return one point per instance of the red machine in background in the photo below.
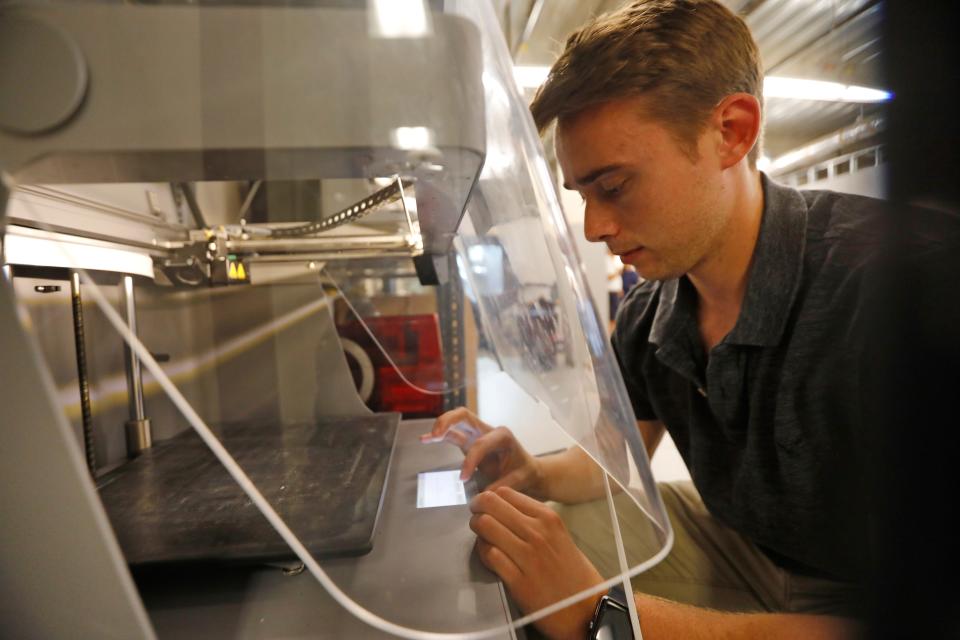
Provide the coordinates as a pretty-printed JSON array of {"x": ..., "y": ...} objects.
[{"x": 412, "y": 342}]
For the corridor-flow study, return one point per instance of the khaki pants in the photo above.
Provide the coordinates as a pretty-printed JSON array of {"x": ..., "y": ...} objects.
[{"x": 710, "y": 565}]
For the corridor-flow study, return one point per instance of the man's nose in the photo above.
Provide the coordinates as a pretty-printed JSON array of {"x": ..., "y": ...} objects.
[{"x": 599, "y": 222}]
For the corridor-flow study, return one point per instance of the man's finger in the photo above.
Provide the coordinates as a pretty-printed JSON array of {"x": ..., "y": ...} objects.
[
  {"x": 498, "y": 562},
  {"x": 455, "y": 436},
  {"x": 514, "y": 479},
  {"x": 523, "y": 503},
  {"x": 447, "y": 420},
  {"x": 489, "y": 503},
  {"x": 452, "y": 417},
  {"x": 483, "y": 446},
  {"x": 494, "y": 532}
]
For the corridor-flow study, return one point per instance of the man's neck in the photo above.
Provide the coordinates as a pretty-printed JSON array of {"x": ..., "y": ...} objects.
[{"x": 721, "y": 278}]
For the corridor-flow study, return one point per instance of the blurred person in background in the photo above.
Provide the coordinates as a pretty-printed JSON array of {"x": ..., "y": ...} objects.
[{"x": 615, "y": 289}]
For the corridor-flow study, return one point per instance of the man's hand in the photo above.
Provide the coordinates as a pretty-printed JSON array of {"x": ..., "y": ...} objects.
[
  {"x": 527, "y": 545},
  {"x": 495, "y": 452}
]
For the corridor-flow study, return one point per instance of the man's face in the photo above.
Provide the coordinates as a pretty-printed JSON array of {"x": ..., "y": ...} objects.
[{"x": 653, "y": 205}]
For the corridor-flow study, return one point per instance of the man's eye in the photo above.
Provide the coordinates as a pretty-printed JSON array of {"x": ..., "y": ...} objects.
[{"x": 608, "y": 191}]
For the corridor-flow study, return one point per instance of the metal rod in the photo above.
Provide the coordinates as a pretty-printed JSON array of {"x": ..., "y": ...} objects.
[
  {"x": 192, "y": 204},
  {"x": 138, "y": 427},
  {"x": 533, "y": 16},
  {"x": 78, "y": 336},
  {"x": 827, "y": 146},
  {"x": 4, "y": 199},
  {"x": 329, "y": 256},
  {"x": 134, "y": 380},
  {"x": 406, "y": 211},
  {"x": 341, "y": 244}
]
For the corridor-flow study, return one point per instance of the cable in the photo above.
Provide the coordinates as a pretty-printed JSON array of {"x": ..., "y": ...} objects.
[
  {"x": 192, "y": 204},
  {"x": 380, "y": 346},
  {"x": 249, "y": 199}
]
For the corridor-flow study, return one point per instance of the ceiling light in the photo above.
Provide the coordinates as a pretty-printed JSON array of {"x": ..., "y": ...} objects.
[
  {"x": 531, "y": 77},
  {"x": 528, "y": 77},
  {"x": 399, "y": 19},
  {"x": 26, "y": 246},
  {"x": 412, "y": 138},
  {"x": 802, "y": 89}
]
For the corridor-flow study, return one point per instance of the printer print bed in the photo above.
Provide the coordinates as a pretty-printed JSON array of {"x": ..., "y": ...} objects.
[{"x": 177, "y": 503}]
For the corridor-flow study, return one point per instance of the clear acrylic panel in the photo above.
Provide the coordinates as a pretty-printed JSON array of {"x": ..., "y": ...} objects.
[{"x": 281, "y": 240}]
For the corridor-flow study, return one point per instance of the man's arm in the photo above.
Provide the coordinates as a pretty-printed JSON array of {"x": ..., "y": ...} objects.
[
  {"x": 527, "y": 545},
  {"x": 665, "y": 619},
  {"x": 571, "y": 476},
  {"x": 652, "y": 433}
]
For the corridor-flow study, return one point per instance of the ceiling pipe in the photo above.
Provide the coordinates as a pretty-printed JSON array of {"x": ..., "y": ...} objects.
[
  {"x": 532, "y": 18},
  {"x": 828, "y": 146}
]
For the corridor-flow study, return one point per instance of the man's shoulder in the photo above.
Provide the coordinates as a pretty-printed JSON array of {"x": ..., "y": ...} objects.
[
  {"x": 854, "y": 228},
  {"x": 853, "y": 242},
  {"x": 844, "y": 232},
  {"x": 834, "y": 216}
]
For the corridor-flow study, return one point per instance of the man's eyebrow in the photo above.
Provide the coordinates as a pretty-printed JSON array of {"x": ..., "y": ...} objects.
[{"x": 593, "y": 175}]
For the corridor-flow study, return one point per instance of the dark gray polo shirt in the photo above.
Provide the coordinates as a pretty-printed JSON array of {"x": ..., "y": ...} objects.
[{"x": 769, "y": 423}]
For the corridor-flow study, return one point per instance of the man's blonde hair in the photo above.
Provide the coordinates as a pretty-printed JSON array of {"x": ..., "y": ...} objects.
[{"x": 687, "y": 54}]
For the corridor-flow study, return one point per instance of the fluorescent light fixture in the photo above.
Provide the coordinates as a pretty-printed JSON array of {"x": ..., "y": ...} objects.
[
  {"x": 802, "y": 89},
  {"x": 528, "y": 77},
  {"x": 531, "y": 77},
  {"x": 25, "y": 246},
  {"x": 399, "y": 19},
  {"x": 412, "y": 138},
  {"x": 763, "y": 163}
]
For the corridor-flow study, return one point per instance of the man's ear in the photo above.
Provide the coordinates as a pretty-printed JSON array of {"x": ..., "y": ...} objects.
[{"x": 738, "y": 118}]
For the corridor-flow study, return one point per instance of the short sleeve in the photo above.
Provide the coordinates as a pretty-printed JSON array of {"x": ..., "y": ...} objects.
[{"x": 629, "y": 342}]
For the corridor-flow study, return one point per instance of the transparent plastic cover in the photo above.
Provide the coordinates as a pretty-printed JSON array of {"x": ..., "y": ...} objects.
[{"x": 293, "y": 239}]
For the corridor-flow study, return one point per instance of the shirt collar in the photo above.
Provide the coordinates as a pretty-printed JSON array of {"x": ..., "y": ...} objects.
[
  {"x": 667, "y": 315},
  {"x": 772, "y": 283}
]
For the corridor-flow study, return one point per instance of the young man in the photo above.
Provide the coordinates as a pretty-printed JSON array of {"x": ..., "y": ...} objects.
[{"x": 744, "y": 342}]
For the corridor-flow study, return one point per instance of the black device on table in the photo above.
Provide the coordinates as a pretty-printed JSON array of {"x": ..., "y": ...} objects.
[{"x": 176, "y": 503}]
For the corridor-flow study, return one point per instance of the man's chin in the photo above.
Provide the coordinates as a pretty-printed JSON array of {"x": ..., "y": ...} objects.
[
  {"x": 657, "y": 272},
  {"x": 649, "y": 265}
]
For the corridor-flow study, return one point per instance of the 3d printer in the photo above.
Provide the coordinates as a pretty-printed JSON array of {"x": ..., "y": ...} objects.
[{"x": 234, "y": 229}]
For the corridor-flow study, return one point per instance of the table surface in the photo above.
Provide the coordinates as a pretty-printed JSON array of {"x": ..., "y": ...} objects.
[{"x": 422, "y": 572}]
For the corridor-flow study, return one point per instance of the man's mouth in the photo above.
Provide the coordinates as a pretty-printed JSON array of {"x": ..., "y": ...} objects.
[{"x": 625, "y": 256}]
